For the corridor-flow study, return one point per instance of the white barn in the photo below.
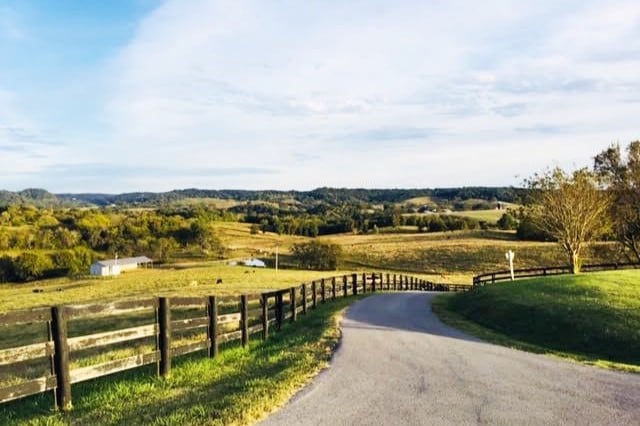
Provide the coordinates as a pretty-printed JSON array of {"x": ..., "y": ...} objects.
[
  {"x": 256, "y": 263},
  {"x": 110, "y": 267}
]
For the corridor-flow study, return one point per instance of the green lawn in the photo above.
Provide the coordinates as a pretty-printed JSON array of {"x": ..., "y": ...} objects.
[
  {"x": 240, "y": 386},
  {"x": 593, "y": 317}
]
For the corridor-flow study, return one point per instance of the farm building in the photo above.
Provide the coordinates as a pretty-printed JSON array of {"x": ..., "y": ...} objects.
[
  {"x": 115, "y": 266},
  {"x": 256, "y": 263}
]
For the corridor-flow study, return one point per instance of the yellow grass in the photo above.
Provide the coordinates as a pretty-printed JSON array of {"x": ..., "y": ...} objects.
[
  {"x": 490, "y": 215},
  {"x": 418, "y": 201},
  {"x": 239, "y": 241},
  {"x": 454, "y": 256},
  {"x": 195, "y": 280}
]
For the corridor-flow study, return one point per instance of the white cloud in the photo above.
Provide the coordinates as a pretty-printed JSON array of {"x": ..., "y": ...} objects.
[{"x": 366, "y": 93}]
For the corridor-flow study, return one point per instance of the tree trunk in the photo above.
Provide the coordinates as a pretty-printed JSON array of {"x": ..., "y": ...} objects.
[{"x": 575, "y": 262}]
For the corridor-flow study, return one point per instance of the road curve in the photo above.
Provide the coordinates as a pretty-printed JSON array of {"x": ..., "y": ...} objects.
[{"x": 397, "y": 364}]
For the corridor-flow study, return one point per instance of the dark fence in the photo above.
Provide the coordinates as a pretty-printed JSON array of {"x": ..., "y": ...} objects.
[
  {"x": 158, "y": 329},
  {"x": 493, "y": 277}
]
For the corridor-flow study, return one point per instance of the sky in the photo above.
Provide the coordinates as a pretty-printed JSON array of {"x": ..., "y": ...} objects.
[{"x": 149, "y": 95}]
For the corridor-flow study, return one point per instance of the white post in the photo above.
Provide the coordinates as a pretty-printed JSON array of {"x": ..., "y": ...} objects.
[{"x": 510, "y": 256}]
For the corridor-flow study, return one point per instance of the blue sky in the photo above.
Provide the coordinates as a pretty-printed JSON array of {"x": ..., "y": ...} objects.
[{"x": 130, "y": 95}]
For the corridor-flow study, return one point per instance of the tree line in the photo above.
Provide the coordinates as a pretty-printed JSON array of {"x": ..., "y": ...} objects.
[{"x": 45, "y": 242}]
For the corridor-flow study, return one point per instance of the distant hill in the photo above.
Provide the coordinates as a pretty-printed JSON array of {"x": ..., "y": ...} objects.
[
  {"x": 35, "y": 196},
  {"x": 324, "y": 195}
]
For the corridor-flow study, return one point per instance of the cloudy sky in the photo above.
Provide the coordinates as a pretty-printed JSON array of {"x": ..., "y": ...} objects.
[{"x": 129, "y": 95}]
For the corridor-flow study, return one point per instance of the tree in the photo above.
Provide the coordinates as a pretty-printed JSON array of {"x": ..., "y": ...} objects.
[
  {"x": 507, "y": 221},
  {"x": 621, "y": 177},
  {"x": 570, "y": 207},
  {"x": 31, "y": 265},
  {"x": 317, "y": 255}
]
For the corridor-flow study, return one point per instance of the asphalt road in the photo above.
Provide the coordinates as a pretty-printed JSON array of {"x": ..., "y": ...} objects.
[{"x": 397, "y": 364}]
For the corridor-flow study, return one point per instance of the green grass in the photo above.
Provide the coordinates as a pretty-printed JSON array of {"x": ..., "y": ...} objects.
[
  {"x": 490, "y": 216},
  {"x": 592, "y": 318},
  {"x": 197, "y": 279},
  {"x": 238, "y": 387}
]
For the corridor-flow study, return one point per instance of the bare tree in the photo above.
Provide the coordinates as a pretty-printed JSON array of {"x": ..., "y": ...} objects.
[{"x": 570, "y": 207}]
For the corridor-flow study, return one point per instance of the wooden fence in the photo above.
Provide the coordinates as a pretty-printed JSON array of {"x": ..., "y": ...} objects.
[
  {"x": 163, "y": 328},
  {"x": 493, "y": 277}
]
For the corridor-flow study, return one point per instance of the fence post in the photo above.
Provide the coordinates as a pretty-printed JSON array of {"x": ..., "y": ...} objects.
[
  {"x": 265, "y": 317},
  {"x": 388, "y": 282},
  {"x": 279, "y": 310},
  {"x": 304, "y": 299},
  {"x": 164, "y": 336},
  {"x": 333, "y": 287},
  {"x": 244, "y": 319},
  {"x": 395, "y": 283},
  {"x": 323, "y": 289},
  {"x": 212, "y": 331},
  {"x": 345, "y": 290},
  {"x": 354, "y": 282},
  {"x": 61, "y": 358},
  {"x": 373, "y": 283},
  {"x": 294, "y": 314},
  {"x": 493, "y": 278},
  {"x": 314, "y": 294},
  {"x": 364, "y": 282}
]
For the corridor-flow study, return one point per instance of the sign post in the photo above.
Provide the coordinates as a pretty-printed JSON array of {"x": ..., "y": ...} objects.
[{"x": 510, "y": 256}]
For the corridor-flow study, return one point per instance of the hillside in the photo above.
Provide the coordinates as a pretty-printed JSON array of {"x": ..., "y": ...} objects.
[
  {"x": 332, "y": 196},
  {"x": 592, "y": 317}
]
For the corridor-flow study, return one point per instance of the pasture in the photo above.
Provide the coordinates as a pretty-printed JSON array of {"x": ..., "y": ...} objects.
[
  {"x": 197, "y": 279},
  {"x": 591, "y": 317},
  {"x": 455, "y": 256}
]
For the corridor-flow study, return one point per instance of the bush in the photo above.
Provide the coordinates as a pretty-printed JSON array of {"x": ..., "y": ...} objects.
[
  {"x": 527, "y": 230},
  {"x": 7, "y": 270},
  {"x": 316, "y": 255},
  {"x": 507, "y": 222},
  {"x": 31, "y": 266}
]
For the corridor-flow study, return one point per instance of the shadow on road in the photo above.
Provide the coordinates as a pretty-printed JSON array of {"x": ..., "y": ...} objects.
[{"x": 409, "y": 311}]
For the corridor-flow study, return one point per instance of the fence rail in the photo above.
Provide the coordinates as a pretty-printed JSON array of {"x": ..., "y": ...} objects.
[
  {"x": 177, "y": 326},
  {"x": 494, "y": 277}
]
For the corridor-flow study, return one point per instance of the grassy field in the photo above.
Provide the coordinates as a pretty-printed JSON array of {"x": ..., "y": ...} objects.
[
  {"x": 238, "y": 387},
  {"x": 455, "y": 256},
  {"x": 443, "y": 257},
  {"x": 489, "y": 216},
  {"x": 240, "y": 242},
  {"x": 188, "y": 280},
  {"x": 592, "y": 317}
]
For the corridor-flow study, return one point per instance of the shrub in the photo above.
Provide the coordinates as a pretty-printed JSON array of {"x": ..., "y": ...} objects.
[
  {"x": 31, "y": 266},
  {"x": 316, "y": 255},
  {"x": 507, "y": 222}
]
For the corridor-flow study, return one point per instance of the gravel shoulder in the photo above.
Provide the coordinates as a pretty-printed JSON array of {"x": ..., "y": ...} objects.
[{"x": 398, "y": 364}]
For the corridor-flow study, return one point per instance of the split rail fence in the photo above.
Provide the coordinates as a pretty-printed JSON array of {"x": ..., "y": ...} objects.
[
  {"x": 60, "y": 353},
  {"x": 494, "y": 277}
]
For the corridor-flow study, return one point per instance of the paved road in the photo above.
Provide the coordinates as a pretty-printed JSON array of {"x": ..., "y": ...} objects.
[{"x": 399, "y": 365}]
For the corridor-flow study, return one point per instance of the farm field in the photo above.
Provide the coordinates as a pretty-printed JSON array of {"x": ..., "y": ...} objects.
[
  {"x": 490, "y": 216},
  {"x": 452, "y": 257},
  {"x": 591, "y": 317},
  {"x": 455, "y": 256},
  {"x": 193, "y": 280}
]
